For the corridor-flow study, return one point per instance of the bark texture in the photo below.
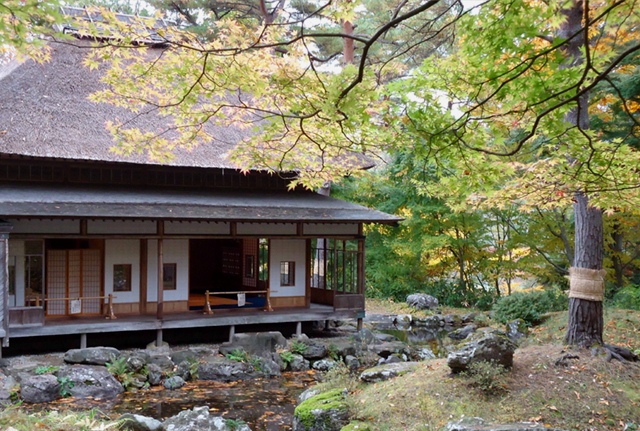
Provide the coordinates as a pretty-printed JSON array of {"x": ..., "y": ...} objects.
[{"x": 586, "y": 321}]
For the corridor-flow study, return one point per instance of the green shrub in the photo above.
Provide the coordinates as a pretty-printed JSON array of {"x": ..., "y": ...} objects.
[
  {"x": 627, "y": 298},
  {"x": 529, "y": 306},
  {"x": 487, "y": 376}
]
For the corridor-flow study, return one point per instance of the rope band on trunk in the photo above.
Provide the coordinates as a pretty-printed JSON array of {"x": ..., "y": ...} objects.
[{"x": 587, "y": 283}]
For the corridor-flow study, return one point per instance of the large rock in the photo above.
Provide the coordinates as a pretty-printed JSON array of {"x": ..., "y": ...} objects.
[
  {"x": 154, "y": 374},
  {"x": 91, "y": 355},
  {"x": 199, "y": 419},
  {"x": 422, "y": 301},
  {"x": 387, "y": 371},
  {"x": 89, "y": 381},
  {"x": 492, "y": 346},
  {"x": 174, "y": 382},
  {"x": 327, "y": 411},
  {"x": 517, "y": 329},
  {"x": 133, "y": 422},
  {"x": 462, "y": 333},
  {"x": 314, "y": 350},
  {"x": 135, "y": 361},
  {"x": 40, "y": 388},
  {"x": 479, "y": 424},
  {"x": 7, "y": 385},
  {"x": 298, "y": 363},
  {"x": 262, "y": 344},
  {"x": 223, "y": 370}
]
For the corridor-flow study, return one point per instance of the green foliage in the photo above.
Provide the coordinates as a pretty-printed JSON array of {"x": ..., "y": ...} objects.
[
  {"x": 234, "y": 424},
  {"x": 298, "y": 347},
  {"x": 118, "y": 368},
  {"x": 529, "y": 306},
  {"x": 287, "y": 357},
  {"x": 46, "y": 369},
  {"x": 628, "y": 297},
  {"x": 66, "y": 384},
  {"x": 487, "y": 376},
  {"x": 333, "y": 352},
  {"x": 238, "y": 355}
]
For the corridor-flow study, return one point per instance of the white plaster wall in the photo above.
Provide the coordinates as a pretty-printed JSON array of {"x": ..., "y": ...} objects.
[
  {"x": 288, "y": 250},
  {"x": 121, "y": 227},
  {"x": 266, "y": 228},
  {"x": 45, "y": 226},
  {"x": 196, "y": 228},
  {"x": 122, "y": 251},
  {"x": 174, "y": 251},
  {"x": 330, "y": 229},
  {"x": 16, "y": 254}
]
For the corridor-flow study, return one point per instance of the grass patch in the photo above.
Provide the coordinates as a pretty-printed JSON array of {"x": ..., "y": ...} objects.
[
  {"x": 91, "y": 420},
  {"x": 589, "y": 393}
]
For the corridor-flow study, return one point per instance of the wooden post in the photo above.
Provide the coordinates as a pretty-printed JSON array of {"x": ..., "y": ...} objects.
[
  {"x": 207, "y": 304},
  {"x": 160, "y": 302},
  {"x": 298, "y": 329},
  {"x": 83, "y": 341},
  {"x": 232, "y": 332},
  {"x": 269, "y": 308},
  {"x": 158, "y": 337},
  {"x": 359, "y": 324},
  {"x": 111, "y": 315}
]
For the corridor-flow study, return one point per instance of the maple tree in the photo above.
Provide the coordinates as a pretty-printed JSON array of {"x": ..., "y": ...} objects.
[{"x": 502, "y": 118}]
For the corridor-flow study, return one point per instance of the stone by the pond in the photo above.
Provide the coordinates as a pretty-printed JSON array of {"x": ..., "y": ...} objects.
[
  {"x": 490, "y": 347},
  {"x": 479, "y": 424},
  {"x": 90, "y": 381},
  {"x": 7, "y": 383},
  {"x": 308, "y": 393},
  {"x": 174, "y": 382},
  {"x": 133, "y": 422},
  {"x": 422, "y": 301},
  {"x": 425, "y": 353},
  {"x": 163, "y": 361},
  {"x": 314, "y": 350},
  {"x": 387, "y": 371},
  {"x": 256, "y": 343},
  {"x": 40, "y": 388},
  {"x": 298, "y": 363},
  {"x": 390, "y": 348},
  {"x": 366, "y": 336},
  {"x": 224, "y": 370},
  {"x": 351, "y": 362},
  {"x": 462, "y": 333},
  {"x": 135, "y": 361},
  {"x": 324, "y": 365},
  {"x": 184, "y": 355},
  {"x": 199, "y": 419},
  {"x": 154, "y": 374},
  {"x": 327, "y": 411},
  {"x": 517, "y": 329},
  {"x": 91, "y": 355}
]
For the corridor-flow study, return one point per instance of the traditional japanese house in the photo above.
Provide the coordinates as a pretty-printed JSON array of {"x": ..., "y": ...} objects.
[{"x": 96, "y": 242}]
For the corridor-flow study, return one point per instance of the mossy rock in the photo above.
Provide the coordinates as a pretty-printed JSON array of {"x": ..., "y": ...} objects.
[{"x": 327, "y": 411}]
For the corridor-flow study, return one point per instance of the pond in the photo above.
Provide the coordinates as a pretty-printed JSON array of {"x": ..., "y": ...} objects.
[{"x": 265, "y": 404}]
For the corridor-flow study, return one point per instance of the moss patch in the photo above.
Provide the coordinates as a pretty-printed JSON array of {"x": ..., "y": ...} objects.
[{"x": 333, "y": 399}]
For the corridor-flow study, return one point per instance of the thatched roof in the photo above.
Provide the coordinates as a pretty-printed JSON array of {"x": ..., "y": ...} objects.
[{"x": 45, "y": 112}]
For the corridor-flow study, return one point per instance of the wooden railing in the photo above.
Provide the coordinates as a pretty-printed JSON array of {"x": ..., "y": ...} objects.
[
  {"x": 110, "y": 314},
  {"x": 207, "y": 302}
]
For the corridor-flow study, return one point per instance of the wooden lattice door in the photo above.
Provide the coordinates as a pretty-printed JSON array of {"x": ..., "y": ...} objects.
[{"x": 73, "y": 275}]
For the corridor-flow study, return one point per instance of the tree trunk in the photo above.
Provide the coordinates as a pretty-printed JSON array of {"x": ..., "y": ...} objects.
[
  {"x": 585, "y": 325},
  {"x": 586, "y": 317}
]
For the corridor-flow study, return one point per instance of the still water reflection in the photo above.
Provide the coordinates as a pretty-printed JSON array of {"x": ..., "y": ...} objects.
[{"x": 264, "y": 404}]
